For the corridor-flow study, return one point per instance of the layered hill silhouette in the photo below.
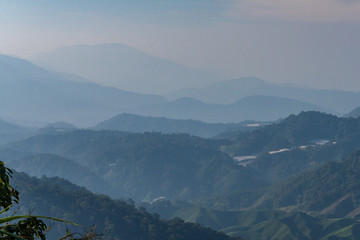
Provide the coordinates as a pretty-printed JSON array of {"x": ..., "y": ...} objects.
[
  {"x": 259, "y": 108},
  {"x": 33, "y": 93},
  {"x": 230, "y": 91},
  {"x": 136, "y": 123},
  {"x": 10, "y": 132},
  {"x": 354, "y": 113},
  {"x": 123, "y": 67}
]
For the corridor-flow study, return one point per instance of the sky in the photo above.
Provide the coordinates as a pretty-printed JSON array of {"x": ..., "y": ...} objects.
[{"x": 303, "y": 42}]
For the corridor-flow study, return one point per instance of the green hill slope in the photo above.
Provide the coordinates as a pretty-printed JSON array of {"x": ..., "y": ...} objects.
[
  {"x": 296, "y": 144},
  {"x": 331, "y": 190},
  {"x": 50, "y": 165},
  {"x": 334, "y": 188},
  {"x": 263, "y": 224},
  {"x": 117, "y": 219},
  {"x": 149, "y": 165},
  {"x": 295, "y": 130}
]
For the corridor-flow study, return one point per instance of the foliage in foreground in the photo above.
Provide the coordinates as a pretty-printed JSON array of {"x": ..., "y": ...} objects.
[{"x": 27, "y": 228}]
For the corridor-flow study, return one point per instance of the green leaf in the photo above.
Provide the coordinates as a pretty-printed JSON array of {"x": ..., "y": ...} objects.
[
  {"x": 12, "y": 235},
  {"x": 12, "y": 218}
]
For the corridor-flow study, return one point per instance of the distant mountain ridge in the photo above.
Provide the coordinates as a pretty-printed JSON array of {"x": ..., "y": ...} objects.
[
  {"x": 123, "y": 67},
  {"x": 35, "y": 94},
  {"x": 259, "y": 108},
  {"x": 136, "y": 123},
  {"x": 354, "y": 113},
  {"x": 229, "y": 91},
  {"x": 12, "y": 132}
]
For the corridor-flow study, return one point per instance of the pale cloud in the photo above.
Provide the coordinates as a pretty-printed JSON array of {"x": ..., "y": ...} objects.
[{"x": 295, "y": 10}]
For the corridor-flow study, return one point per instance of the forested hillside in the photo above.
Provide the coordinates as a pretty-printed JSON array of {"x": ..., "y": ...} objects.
[
  {"x": 322, "y": 204},
  {"x": 51, "y": 165},
  {"x": 263, "y": 224},
  {"x": 115, "y": 219},
  {"x": 298, "y": 143},
  {"x": 293, "y": 131},
  {"x": 148, "y": 165},
  {"x": 333, "y": 189}
]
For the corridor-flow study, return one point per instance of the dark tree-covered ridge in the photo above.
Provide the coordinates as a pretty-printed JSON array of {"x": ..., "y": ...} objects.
[{"x": 116, "y": 219}]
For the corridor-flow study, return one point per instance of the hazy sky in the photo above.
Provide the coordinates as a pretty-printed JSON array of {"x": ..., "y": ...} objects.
[{"x": 307, "y": 42}]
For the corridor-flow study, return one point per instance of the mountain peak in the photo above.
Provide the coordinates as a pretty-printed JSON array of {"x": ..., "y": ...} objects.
[
  {"x": 30, "y": 92},
  {"x": 124, "y": 67}
]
